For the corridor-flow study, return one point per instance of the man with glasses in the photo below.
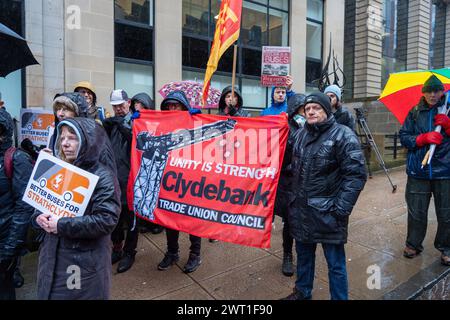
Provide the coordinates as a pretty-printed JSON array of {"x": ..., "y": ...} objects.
[{"x": 119, "y": 132}]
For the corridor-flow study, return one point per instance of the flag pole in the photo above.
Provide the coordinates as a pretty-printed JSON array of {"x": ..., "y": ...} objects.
[{"x": 233, "y": 77}]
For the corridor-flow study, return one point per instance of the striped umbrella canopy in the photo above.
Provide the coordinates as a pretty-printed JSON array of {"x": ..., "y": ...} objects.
[{"x": 403, "y": 90}]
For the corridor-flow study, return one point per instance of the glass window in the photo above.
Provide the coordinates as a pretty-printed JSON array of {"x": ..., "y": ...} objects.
[
  {"x": 195, "y": 52},
  {"x": 264, "y": 2},
  {"x": 315, "y": 10},
  {"x": 313, "y": 40},
  {"x": 313, "y": 70},
  {"x": 139, "y": 11},
  {"x": 134, "y": 78},
  {"x": 196, "y": 17},
  {"x": 314, "y": 29},
  {"x": 11, "y": 93},
  {"x": 226, "y": 61},
  {"x": 253, "y": 94},
  {"x": 251, "y": 62},
  {"x": 133, "y": 42},
  {"x": 280, "y": 4},
  {"x": 134, "y": 46},
  {"x": 278, "y": 28},
  {"x": 192, "y": 75},
  {"x": 437, "y": 36},
  {"x": 394, "y": 38},
  {"x": 264, "y": 22},
  {"x": 253, "y": 27}
]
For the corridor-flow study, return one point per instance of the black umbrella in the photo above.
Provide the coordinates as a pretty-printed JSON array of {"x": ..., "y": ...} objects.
[{"x": 14, "y": 52}]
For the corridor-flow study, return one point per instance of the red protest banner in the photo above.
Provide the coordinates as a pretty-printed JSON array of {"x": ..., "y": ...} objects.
[{"x": 210, "y": 176}]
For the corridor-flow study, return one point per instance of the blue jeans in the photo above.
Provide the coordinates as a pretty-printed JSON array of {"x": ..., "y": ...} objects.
[{"x": 337, "y": 272}]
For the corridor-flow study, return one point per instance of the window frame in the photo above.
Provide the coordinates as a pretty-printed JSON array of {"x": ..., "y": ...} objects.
[
  {"x": 137, "y": 61},
  {"x": 239, "y": 65},
  {"x": 311, "y": 59}
]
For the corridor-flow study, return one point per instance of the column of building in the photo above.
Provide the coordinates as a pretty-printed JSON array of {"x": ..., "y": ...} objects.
[
  {"x": 168, "y": 44},
  {"x": 418, "y": 34},
  {"x": 44, "y": 25},
  {"x": 89, "y": 45}
]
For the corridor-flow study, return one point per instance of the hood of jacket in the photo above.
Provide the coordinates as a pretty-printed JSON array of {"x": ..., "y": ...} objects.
[
  {"x": 144, "y": 99},
  {"x": 225, "y": 91},
  {"x": 294, "y": 103},
  {"x": 178, "y": 96},
  {"x": 94, "y": 147},
  {"x": 74, "y": 101},
  {"x": 7, "y": 125},
  {"x": 277, "y": 105}
]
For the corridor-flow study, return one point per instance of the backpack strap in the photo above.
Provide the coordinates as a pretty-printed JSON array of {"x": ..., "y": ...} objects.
[{"x": 8, "y": 161}]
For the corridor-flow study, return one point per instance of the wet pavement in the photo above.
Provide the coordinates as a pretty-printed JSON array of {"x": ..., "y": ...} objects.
[
  {"x": 440, "y": 291},
  {"x": 376, "y": 239}
]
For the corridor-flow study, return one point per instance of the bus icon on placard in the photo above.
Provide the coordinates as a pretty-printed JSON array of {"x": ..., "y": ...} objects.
[{"x": 70, "y": 185}]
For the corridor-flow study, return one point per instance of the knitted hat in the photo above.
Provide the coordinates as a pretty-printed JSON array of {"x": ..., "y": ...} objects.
[
  {"x": 432, "y": 84},
  {"x": 335, "y": 90},
  {"x": 320, "y": 98}
]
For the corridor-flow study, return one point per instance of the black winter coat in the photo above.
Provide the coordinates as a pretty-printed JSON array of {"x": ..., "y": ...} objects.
[
  {"x": 329, "y": 175},
  {"x": 420, "y": 120},
  {"x": 285, "y": 188},
  {"x": 120, "y": 134},
  {"x": 14, "y": 213},
  {"x": 83, "y": 241},
  {"x": 344, "y": 117}
]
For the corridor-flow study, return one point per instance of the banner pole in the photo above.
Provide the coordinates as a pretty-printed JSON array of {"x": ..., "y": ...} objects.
[{"x": 233, "y": 77}]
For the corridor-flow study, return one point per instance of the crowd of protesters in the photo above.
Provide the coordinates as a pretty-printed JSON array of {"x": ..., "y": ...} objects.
[{"x": 322, "y": 175}]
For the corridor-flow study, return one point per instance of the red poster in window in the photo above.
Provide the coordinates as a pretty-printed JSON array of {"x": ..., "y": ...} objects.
[
  {"x": 275, "y": 65},
  {"x": 210, "y": 176}
]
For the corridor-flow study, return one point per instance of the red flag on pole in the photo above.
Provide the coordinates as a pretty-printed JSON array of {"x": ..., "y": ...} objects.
[{"x": 227, "y": 32}]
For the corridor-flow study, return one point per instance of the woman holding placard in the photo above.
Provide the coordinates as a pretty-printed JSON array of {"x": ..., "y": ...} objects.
[{"x": 75, "y": 256}]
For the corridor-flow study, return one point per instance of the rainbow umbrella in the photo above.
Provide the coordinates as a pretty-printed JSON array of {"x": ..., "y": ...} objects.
[{"x": 404, "y": 89}]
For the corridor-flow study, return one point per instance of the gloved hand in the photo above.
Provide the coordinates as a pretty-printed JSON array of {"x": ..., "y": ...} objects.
[
  {"x": 429, "y": 138},
  {"x": 443, "y": 121},
  {"x": 193, "y": 111},
  {"x": 135, "y": 115}
]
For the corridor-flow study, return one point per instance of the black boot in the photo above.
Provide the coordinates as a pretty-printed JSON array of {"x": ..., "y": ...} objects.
[
  {"x": 287, "y": 268},
  {"x": 169, "y": 260},
  {"x": 156, "y": 229},
  {"x": 18, "y": 278},
  {"x": 126, "y": 262},
  {"x": 193, "y": 263},
  {"x": 117, "y": 252},
  {"x": 296, "y": 295}
]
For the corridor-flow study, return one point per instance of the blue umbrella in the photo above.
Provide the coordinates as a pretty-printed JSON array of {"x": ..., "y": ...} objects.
[{"x": 14, "y": 52}]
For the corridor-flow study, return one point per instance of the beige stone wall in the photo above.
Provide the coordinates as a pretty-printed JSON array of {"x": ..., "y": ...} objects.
[
  {"x": 168, "y": 44},
  {"x": 447, "y": 38},
  {"x": 367, "y": 71},
  {"x": 44, "y": 24},
  {"x": 418, "y": 34},
  {"x": 89, "y": 51},
  {"x": 297, "y": 33},
  {"x": 334, "y": 16}
]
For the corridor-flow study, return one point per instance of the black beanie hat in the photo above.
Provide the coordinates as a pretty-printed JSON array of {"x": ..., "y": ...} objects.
[
  {"x": 432, "y": 84},
  {"x": 320, "y": 98}
]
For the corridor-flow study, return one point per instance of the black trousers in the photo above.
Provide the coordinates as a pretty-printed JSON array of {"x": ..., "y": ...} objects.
[
  {"x": 172, "y": 242},
  {"x": 7, "y": 289},
  {"x": 418, "y": 195},
  {"x": 288, "y": 241},
  {"x": 126, "y": 222}
]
